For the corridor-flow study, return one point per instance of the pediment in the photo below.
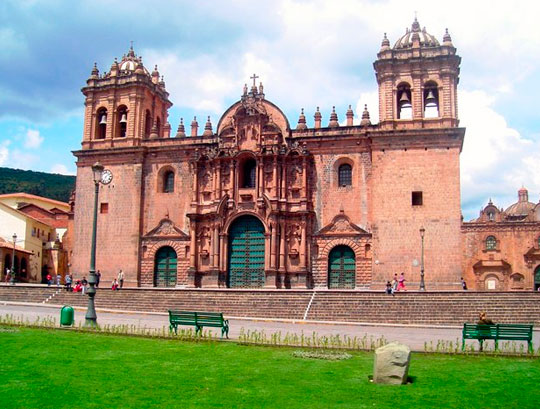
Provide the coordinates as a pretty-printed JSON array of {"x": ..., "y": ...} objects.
[
  {"x": 341, "y": 225},
  {"x": 166, "y": 228}
]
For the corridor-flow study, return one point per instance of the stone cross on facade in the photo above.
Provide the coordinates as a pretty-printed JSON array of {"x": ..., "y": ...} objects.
[{"x": 254, "y": 77}]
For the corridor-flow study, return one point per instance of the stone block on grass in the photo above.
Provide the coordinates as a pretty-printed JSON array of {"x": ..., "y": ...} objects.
[{"x": 392, "y": 364}]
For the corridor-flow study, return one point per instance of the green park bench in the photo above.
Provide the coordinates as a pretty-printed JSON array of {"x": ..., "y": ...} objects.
[
  {"x": 198, "y": 320},
  {"x": 507, "y": 332}
]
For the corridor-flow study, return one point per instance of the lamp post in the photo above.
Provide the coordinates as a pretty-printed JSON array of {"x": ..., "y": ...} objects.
[
  {"x": 422, "y": 284},
  {"x": 13, "y": 260},
  {"x": 100, "y": 175}
]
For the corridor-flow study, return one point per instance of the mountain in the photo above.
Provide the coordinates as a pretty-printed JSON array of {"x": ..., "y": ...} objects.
[{"x": 51, "y": 185}]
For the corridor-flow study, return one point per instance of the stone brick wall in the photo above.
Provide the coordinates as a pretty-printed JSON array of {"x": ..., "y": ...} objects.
[
  {"x": 117, "y": 230},
  {"x": 397, "y": 172},
  {"x": 513, "y": 242}
]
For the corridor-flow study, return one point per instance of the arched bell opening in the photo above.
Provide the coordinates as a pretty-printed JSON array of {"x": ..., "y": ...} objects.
[
  {"x": 101, "y": 124},
  {"x": 431, "y": 100},
  {"x": 121, "y": 125},
  {"x": 404, "y": 101}
]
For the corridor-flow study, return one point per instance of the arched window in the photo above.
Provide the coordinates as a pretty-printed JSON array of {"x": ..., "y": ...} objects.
[
  {"x": 345, "y": 175},
  {"x": 249, "y": 173},
  {"x": 491, "y": 243},
  {"x": 431, "y": 100},
  {"x": 147, "y": 124},
  {"x": 121, "y": 117},
  {"x": 404, "y": 104},
  {"x": 101, "y": 126},
  {"x": 168, "y": 182}
]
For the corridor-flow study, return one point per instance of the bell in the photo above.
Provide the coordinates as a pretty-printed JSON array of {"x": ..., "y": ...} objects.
[
  {"x": 430, "y": 99},
  {"x": 103, "y": 120},
  {"x": 123, "y": 119},
  {"x": 404, "y": 101},
  {"x": 404, "y": 98}
]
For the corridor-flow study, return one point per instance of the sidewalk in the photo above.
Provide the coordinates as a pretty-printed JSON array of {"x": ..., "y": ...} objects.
[{"x": 413, "y": 336}]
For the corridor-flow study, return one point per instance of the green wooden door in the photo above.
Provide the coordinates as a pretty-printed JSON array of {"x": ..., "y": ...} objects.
[
  {"x": 165, "y": 268},
  {"x": 537, "y": 278},
  {"x": 246, "y": 253},
  {"x": 341, "y": 268}
]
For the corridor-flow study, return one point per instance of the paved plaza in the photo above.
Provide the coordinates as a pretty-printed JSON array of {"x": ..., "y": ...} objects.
[{"x": 414, "y": 336}]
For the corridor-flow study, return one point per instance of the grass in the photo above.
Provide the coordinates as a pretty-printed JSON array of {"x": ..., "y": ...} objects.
[{"x": 42, "y": 368}]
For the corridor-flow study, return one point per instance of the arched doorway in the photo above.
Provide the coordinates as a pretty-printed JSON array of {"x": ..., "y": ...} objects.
[
  {"x": 341, "y": 268},
  {"x": 246, "y": 253},
  {"x": 537, "y": 278},
  {"x": 165, "y": 267}
]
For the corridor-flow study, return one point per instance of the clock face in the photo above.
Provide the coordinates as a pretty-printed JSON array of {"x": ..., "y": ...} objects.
[{"x": 106, "y": 177}]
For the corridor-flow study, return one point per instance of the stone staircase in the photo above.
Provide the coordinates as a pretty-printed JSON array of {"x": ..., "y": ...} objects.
[
  {"x": 430, "y": 308},
  {"x": 29, "y": 294}
]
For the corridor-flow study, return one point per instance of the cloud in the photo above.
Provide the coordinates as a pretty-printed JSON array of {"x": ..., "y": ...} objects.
[
  {"x": 496, "y": 159},
  {"x": 61, "y": 169},
  {"x": 33, "y": 139}
]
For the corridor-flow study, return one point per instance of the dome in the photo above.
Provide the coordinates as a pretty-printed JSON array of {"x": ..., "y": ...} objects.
[
  {"x": 130, "y": 62},
  {"x": 522, "y": 208},
  {"x": 426, "y": 39}
]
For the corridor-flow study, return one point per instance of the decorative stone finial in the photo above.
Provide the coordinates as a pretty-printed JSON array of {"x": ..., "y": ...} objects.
[
  {"x": 447, "y": 40},
  {"x": 350, "y": 116},
  {"x": 385, "y": 43},
  {"x": 318, "y": 118},
  {"x": 208, "y": 128},
  {"x": 95, "y": 72},
  {"x": 194, "y": 126},
  {"x": 301, "y": 121},
  {"x": 181, "y": 130},
  {"x": 333, "y": 119},
  {"x": 261, "y": 88},
  {"x": 365, "y": 117}
]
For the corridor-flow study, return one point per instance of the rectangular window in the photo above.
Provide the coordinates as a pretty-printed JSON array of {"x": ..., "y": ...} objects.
[
  {"x": 104, "y": 208},
  {"x": 417, "y": 199}
]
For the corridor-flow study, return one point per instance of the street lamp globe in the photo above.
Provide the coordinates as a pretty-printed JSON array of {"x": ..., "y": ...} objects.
[{"x": 97, "y": 170}]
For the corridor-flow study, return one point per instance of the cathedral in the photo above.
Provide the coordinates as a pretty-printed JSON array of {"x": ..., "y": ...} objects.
[{"x": 253, "y": 202}]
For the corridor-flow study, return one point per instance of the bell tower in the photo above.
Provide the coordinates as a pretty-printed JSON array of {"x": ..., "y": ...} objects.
[
  {"x": 125, "y": 105},
  {"x": 417, "y": 80}
]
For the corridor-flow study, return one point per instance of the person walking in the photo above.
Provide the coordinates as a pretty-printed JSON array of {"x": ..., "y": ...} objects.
[
  {"x": 401, "y": 282},
  {"x": 8, "y": 274},
  {"x": 58, "y": 279},
  {"x": 463, "y": 284},
  {"x": 394, "y": 283},
  {"x": 84, "y": 283},
  {"x": 68, "y": 281},
  {"x": 49, "y": 280},
  {"x": 120, "y": 279},
  {"x": 98, "y": 277}
]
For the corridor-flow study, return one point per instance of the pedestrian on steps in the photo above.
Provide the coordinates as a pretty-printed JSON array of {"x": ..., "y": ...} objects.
[{"x": 120, "y": 279}]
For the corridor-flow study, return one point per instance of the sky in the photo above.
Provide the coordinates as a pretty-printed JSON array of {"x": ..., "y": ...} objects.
[{"x": 306, "y": 53}]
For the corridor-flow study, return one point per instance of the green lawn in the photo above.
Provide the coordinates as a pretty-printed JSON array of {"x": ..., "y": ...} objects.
[{"x": 65, "y": 369}]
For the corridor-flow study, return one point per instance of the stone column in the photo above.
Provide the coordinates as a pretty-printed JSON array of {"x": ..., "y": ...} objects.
[
  {"x": 303, "y": 244},
  {"x": 282, "y": 247},
  {"x": 193, "y": 244},
  {"x": 275, "y": 178},
  {"x": 267, "y": 255},
  {"x": 195, "y": 180},
  {"x": 305, "y": 185},
  {"x": 273, "y": 245},
  {"x": 215, "y": 246},
  {"x": 234, "y": 195}
]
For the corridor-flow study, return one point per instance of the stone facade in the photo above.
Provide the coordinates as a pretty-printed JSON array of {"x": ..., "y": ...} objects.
[
  {"x": 502, "y": 247},
  {"x": 336, "y": 202}
]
